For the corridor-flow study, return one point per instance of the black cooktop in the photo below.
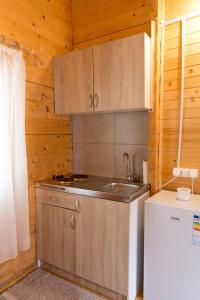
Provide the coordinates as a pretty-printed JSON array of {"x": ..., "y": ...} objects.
[{"x": 69, "y": 178}]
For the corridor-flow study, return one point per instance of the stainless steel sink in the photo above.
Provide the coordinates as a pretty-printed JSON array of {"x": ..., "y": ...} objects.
[
  {"x": 121, "y": 188},
  {"x": 99, "y": 187}
]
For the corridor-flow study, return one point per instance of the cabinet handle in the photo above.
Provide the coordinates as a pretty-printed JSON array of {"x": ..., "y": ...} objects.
[
  {"x": 90, "y": 101},
  {"x": 73, "y": 221},
  {"x": 78, "y": 208},
  {"x": 175, "y": 218},
  {"x": 53, "y": 198},
  {"x": 96, "y": 100}
]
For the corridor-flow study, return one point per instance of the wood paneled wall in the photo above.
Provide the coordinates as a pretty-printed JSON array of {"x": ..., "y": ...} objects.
[
  {"x": 45, "y": 27},
  {"x": 171, "y": 95},
  {"x": 173, "y": 9},
  {"x": 100, "y": 21}
]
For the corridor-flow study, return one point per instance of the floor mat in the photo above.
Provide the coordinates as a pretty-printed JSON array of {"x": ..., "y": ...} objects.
[{"x": 41, "y": 285}]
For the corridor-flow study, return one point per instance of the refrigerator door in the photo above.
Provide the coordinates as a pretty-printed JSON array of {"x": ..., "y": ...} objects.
[{"x": 172, "y": 254}]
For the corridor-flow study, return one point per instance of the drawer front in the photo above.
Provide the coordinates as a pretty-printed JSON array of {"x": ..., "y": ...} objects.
[{"x": 59, "y": 199}]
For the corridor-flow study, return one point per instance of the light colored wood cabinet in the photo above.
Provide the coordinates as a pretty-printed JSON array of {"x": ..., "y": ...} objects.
[
  {"x": 114, "y": 76},
  {"x": 73, "y": 81},
  {"x": 59, "y": 199},
  {"x": 122, "y": 74},
  {"x": 102, "y": 243},
  {"x": 56, "y": 236},
  {"x": 109, "y": 244},
  {"x": 98, "y": 240}
]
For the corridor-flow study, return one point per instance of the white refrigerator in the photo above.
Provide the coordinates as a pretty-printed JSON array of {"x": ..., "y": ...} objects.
[{"x": 172, "y": 248}]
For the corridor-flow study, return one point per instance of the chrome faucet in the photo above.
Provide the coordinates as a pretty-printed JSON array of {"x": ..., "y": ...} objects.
[{"x": 126, "y": 157}]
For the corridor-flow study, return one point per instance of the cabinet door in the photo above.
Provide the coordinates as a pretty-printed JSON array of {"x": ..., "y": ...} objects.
[
  {"x": 56, "y": 236},
  {"x": 122, "y": 74},
  {"x": 102, "y": 243},
  {"x": 73, "y": 79}
]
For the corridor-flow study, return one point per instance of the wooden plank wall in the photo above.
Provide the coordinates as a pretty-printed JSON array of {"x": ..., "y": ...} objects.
[
  {"x": 174, "y": 9},
  {"x": 45, "y": 27},
  {"x": 171, "y": 94},
  {"x": 101, "y": 21}
]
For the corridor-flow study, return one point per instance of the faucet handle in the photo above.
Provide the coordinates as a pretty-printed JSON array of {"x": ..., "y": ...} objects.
[{"x": 125, "y": 156}]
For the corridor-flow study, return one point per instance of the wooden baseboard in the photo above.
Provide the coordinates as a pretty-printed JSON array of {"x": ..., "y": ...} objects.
[{"x": 14, "y": 279}]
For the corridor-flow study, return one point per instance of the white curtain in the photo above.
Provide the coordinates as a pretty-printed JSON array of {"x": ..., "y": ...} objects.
[{"x": 14, "y": 215}]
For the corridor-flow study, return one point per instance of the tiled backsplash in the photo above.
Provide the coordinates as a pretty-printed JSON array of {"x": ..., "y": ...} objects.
[{"x": 99, "y": 140}]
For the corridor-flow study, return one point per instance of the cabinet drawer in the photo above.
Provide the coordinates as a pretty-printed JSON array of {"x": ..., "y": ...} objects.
[{"x": 59, "y": 199}]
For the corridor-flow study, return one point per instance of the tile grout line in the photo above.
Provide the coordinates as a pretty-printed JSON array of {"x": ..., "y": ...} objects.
[
  {"x": 119, "y": 144},
  {"x": 72, "y": 130},
  {"x": 114, "y": 169}
]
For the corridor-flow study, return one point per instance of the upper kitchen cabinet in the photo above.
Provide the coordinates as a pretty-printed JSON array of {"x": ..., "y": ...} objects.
[
  {"x": 122, "y": 74},
  {"x": 73, "y": 81},
  {"x": 114, "y": 76}
]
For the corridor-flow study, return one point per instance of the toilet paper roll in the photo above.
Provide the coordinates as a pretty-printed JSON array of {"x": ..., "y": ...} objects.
[{"x": 145, "y": 172}]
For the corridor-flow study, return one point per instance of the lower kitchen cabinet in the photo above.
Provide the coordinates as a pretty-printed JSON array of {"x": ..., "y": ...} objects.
[
  {"x": 102, "y": 243},
  {"x": 56, "y": 236},
  {"x": 97, "y": 240}
]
